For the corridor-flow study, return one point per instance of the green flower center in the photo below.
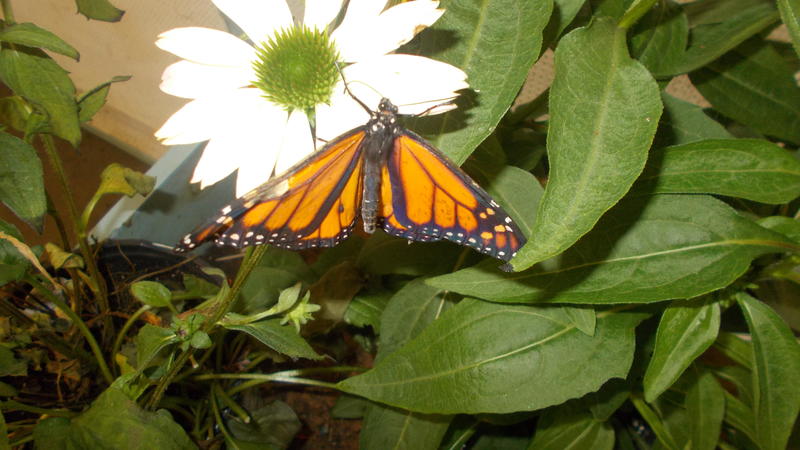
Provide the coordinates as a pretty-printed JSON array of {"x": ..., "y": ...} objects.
[{"x": 296, "y": 68}]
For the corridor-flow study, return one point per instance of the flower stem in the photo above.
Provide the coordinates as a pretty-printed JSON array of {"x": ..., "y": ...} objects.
[
  {"x": 8, "y": 12},
  {"x": 251, "y": 260},
  {"x": 98, "y": 286},
  {"x": 98, "y": 354}
]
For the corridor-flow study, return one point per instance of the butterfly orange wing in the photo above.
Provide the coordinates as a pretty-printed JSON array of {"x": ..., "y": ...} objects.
[
  {"x": 426, "y": 197},
  {"x": 315, "y": 204}
]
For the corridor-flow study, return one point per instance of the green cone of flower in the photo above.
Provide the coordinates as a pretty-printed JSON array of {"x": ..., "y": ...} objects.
[{"x": 296, "y": 68}]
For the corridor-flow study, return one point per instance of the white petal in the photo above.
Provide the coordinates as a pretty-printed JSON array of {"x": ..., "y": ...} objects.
[
  {"x": 206, "y": 117},
  {"x": 320, "y": 13},
  {"x": 217, "y": 160},
  {"x": 206, "y": 46},
  {"x": 413, "y": 83},
  {"x": 191, "y": 80},
  {"x": 297, "y": 142},
  {"x": 259, "y": 19},
  {"x": 391, "y": 29},
  {"x": 248, "y": 145},
  {"x": 343, "y": 114},
  {"x": 350, "y": 34}
]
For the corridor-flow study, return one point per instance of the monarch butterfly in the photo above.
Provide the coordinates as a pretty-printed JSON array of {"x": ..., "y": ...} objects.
[{"x": 386, "y": 174}]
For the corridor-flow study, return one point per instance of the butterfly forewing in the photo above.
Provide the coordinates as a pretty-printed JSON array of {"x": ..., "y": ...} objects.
[
  {"x": 314, "y": 205},
  {"x": 429, "y": 198}
]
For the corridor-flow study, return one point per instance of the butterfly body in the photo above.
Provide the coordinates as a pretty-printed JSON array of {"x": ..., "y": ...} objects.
[{"x": 384, "y": 174}]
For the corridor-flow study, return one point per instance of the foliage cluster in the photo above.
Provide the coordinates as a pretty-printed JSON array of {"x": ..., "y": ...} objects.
[{"x": 654, "y": 306}]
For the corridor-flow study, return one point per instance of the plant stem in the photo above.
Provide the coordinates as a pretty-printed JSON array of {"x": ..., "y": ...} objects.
[
  {"x": 98, "y": 354},
  {"x": 8, "y": 12},
  {"x": 98, "y": 286},
  {"x": 128, "y": 324},
  {"x": 240, "y": 412},
  {"x": 251, "y": 260},
  {"x": 12, "y": 405},
  {"x": 218, "y": 416},
  {"x": 286, "y": 376}
]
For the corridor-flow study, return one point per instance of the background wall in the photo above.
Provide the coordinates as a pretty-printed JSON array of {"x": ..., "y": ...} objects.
[{"x": 135, "y": 108}]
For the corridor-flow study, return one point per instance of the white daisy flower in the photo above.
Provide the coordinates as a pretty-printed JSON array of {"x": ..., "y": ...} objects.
[{"x": 250, "y": 98}]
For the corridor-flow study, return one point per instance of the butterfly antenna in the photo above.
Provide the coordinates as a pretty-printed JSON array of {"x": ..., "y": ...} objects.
[
  {"x": 444, "y": 101},
  {"x": 349, "y": 92}
]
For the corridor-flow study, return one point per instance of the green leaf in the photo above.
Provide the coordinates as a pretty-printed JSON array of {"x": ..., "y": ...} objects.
[
  {"x": 659, "y": 39},
  {"x": 717, "y": 36},
  {"x": 263, "y": 286},
  {"x": 99, "y": 10},
  {"x": 686, "y": 330},
  {"x": 790, "y": 14},
  {"x": 705, "y": 404},
  {"x": 784, "y": 225},
  {"x": 200, "y": 340},
  {"x": 3, "y": 433},
  {"x": 35, "y": 76},
  {"x": 518, "y": 192},
  {"x": 754, "y": 86},
  {"x": 735, "y": 348},
  {"x": 14, "y": 112},
  {"x": 646, "y": 249},
  {"x": 740, "y": 378},
  {"x": 30, "y": 35},
  {"x": 608, "y": 399},
  {"x": 583, "y": 317},
  {"x": 410, "y": 310},
  {"x": 196, "y": 287},
  {"x": 564, "y": 12},
  {"x": 366, "y": 309},
  {"x": 652, "y": 418},
  {"x": 349, "y": 407},
  {"x": 52, "y": 433},
  {"x": 115, "y": 421},
  {"x": 739, "y": 416},
  {"x": 92, "y": 101},
  {"x": 7, "y": 390},
  {"x": 474, "y": 36},
  {"x": 10, "y": 366},
  {"x": 152, "y": 293},
  {"x": 386, "y": 427},
  {"x": 117, "y": 179},
  {"x": 275, "y": 424},
  {"x": 332, "y": 294},
  {"x": 62, "y": 259},
  {"x": 149, "y": 342},
  {"x": 604, "y": 109},
  {"x": 12, "y": 264},
  {"x": 282, "y": 339},
  {"x": 22, "y": 180},
  {"x": 414, "y": 307},
  {"x": 684, "y": 122},
  {"x": 565, "y": 427},
  {"x": 415, "y": 259},
  {"x": 776, "y": 370},
  {"x": 496, "y": 437},
  {"x": 747, "y": 168},
  {"x": 507, "y": 357}
]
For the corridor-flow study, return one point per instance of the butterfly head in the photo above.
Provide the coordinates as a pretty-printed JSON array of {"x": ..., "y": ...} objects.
[{"x": 386, "y": 107}]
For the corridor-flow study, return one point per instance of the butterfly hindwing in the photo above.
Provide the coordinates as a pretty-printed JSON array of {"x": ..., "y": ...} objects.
[
  {"x": 425, "y": 197},
  {"x": 315, "y": 204}
]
